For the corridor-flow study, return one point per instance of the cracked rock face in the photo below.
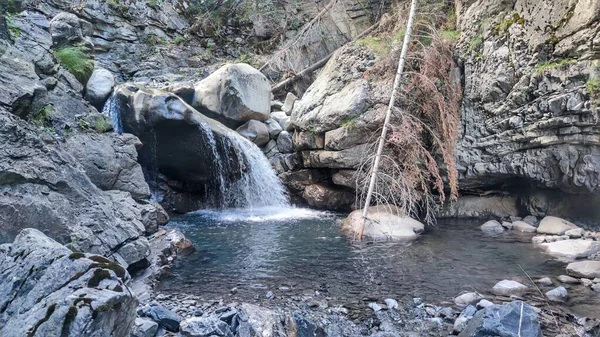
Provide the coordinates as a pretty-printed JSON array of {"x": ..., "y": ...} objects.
[
  {"x": 44, "y": 187},
  {"x": 47, "y": 290}
]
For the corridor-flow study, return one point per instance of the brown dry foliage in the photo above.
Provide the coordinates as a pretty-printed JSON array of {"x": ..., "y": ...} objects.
[{"x": 418, "y": 169}]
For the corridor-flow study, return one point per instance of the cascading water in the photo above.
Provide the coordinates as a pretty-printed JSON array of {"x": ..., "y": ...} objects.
[
  {"x": 111, "y": 109},
  {"x": 256, "y": 186}
]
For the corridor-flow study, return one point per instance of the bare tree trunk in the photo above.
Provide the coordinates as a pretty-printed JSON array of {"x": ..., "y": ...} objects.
[{"x": 396, "y": 88}]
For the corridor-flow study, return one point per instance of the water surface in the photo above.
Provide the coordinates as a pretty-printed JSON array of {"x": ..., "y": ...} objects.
[{"x": 297, "y": 251}]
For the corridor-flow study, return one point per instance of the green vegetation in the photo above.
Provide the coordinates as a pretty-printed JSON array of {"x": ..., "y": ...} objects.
[
  {"x": 593, "y": 87},
  {"x": 42, "y": 116},
  {"x": 97, "y": 277},
  {"x": 69, "y": 318},
  {"x": 10, "y": 6},
  {"x": 13, "y": 30},
  {"x": 117, "y": 5},
  {"x": 31, "y": 332},
  {"x": 154, "y": 3},
  {"x": 120, "y": 271},
  {"x": 76, "y": 255},
  {"x": 382, "y": 46},
  {"x": 247, "y": 58},
  {"x": 549, "y": 65},
  {"x": 502, "y": 27},
  {"x": 101, "y": 125},
  {"x": 450, "y": 35},
  {"x": 76, "y": 61},
  {"x": 475, "y": 43},
  {"x": 350, "y": 123},
  {"x": 179, "y": 40}
]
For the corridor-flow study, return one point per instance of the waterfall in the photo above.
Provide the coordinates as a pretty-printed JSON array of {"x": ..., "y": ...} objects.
[
  {"x": 111, "y": 109},
  {"x": 258, "y": 185}
]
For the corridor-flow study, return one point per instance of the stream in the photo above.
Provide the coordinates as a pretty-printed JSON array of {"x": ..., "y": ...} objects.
[{"x": 294, "y": 252}]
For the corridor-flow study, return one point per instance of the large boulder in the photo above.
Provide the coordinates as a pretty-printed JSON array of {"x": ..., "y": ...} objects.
[
  {"x": 509, "y": 320},
  {"x": 99, "y": 87},
  {"x": 255, "y": 131},
  {"x": 328, "y": 197},
  {"x": 68, "y": 28},
  {"x": 44, "y": 187},
  {"x": 236, "y": 93},
  {"x": 555, "y": 225},
  {"x": 383, "y": 223},
  {"x": 61, "y": 293},
  {"x": 569, "y": 250},
  {"x": 110, "y": 161},
  {"x": 587, "y": 269}
]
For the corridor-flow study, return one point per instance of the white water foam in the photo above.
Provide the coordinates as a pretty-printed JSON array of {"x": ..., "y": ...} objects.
[{"x": 262, "y": 214}]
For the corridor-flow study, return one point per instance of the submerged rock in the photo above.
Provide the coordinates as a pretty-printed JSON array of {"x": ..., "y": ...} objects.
[
  {"x": 61, "y": 293},
  {"x": 504, "y": 320},
  {"x": 508, "y": 288},
  {"x": 492, "y": 226},
  {"x": 383, "y": 224}
]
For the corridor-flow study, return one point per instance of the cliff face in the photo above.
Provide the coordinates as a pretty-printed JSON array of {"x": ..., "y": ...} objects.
[
  {"x": 529, "y": 115},
  {"x": 530, "y": 107}
]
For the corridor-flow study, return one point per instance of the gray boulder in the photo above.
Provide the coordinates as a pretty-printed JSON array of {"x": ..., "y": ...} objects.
[
  {"x": 288, "y": 105},
  {"x": 68, "y": 28},
  {"x": 504, "y": 320},
  {"x": 163, "y": 316},
  {"x": 273, "y": 127},
  {"x": 255, "y": 131},
  {"x": 328, "y": 197},
  {"x": 236, "y": 93},
  {"x": 285, "y": 142},
  {"x": 464, "y": 318},
  {"x": 144, "y": 328},
  {"x": 204, "y": 327},
  {"x": 99, "y": 87},
  {"x": 383, "y": 223},
  {"x": 61, "y": 293},
  {"x": 558, "y": 294},
  {"x": 555, "y": 225},
  {"x": 508, "y": 288},
  {"x": 110, "y": 161},
  {"x": 587, "y": 269}
]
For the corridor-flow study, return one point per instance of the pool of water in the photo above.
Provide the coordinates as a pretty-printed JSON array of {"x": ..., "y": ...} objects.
[{"x": 299, "y": 251}]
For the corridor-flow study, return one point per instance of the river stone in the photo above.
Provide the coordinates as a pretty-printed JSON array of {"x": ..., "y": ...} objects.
[
  {"x": 545, "y": 281},
  {"x": 596, "y": 287},
  {"x": 492, "y": 226},
  {"x": 508, "y": 288},
  {"x": 523, "y": 227},
  {"x": 558, "y": 294},
  {"x": 383, "y": 223},
  {"x": 586, "y": 282},
  {"x": 253, "y": 318},
  {"x": 587, "y": 269},
  {"x": 507, "y": 225},
  {"x": 467, "y": 299},
  {"x": 204, "y": 327},
  {"x": 236, "y": 92},
  {"x": 163, "y": 316},
  {"x": 288, "y": 105},
  {"x": 285, "y": 143},
  {"x": 575, "y": 233},
  {"x": 483, "y": 304},
  {"x": 555, "y": 225},
  {"x": 255, "y": 131},
  {"x": 569, "y": 250},
  {"x": 391, "y": 303},
  {"x": 532, "y": 220},
  {"x": 43, "y": 284},
  {"x": 567, "y": 279},
  {"x": 273, "y": 127},
  {"x": 464, "y": 318},
  {"x": 504, "y": 320},
  {"x": 144, "y": 328},
  {"x": 99, "y": 87},
  {"x": 538, "y": 239}
]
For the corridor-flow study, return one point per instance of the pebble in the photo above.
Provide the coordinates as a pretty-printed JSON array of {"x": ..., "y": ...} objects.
[
  {"x": 545, "y": 281},
  {"x": 447, "y": 312},
  {"x": 467, "y": 299},
  {"x": 417, "y": 300},
  {"x": 270, "y": 295},
  {"x": 586, "y": 282}
]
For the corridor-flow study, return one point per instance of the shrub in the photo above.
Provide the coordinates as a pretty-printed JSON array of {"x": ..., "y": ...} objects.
[
  {"x": 179, "y": 40},
  {"x": 42, "y": 116},
  {"x": 549, "y": 65},
  {"x": 593, "y": 87},
  {"x": 76, "y": 61},
  {"x": 102, "y": 125}
]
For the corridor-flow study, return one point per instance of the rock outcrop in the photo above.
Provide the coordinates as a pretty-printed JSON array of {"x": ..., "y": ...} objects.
[
  {"x": 48, "y": 290},
  {"x": 44, "y": 187}
]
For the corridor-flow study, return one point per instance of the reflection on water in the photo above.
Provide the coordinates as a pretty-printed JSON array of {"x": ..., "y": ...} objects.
[{"x": 296, "y": 251}]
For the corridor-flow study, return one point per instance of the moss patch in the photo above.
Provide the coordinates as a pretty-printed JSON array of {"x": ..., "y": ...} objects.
[
  {"x": 69, "y": 318},
  {"x": 549, "y": 65},
  {"x": 31, "y": 332},
  {"x": 99, "y": 275},
  {"x": 76, "y": 61},
  {"x": 76, "y": 256},
  {"x": 120, "y": 271}
]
